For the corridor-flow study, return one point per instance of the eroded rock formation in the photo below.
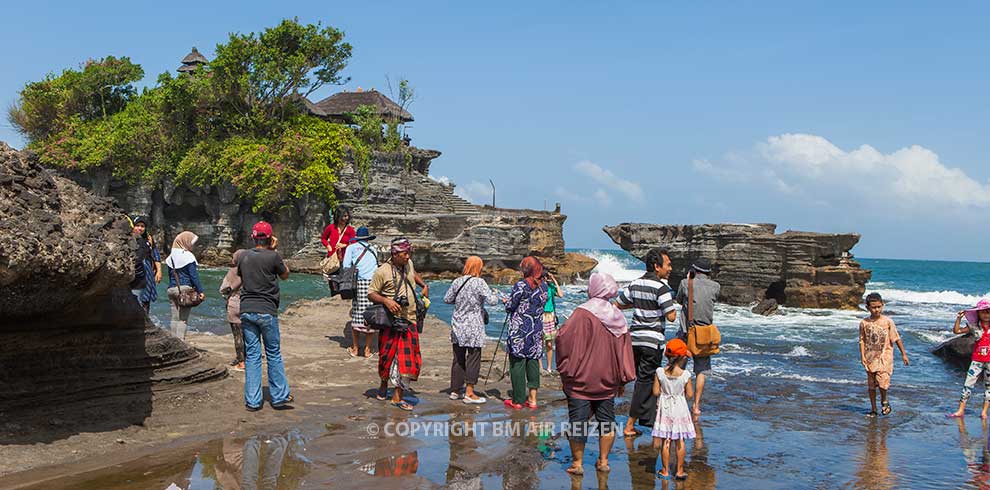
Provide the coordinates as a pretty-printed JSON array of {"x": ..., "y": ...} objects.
[
  {"x": 396, "y": 198},
  {"x": 811, "y": 270},
  {"x": 70, "y": 330}
]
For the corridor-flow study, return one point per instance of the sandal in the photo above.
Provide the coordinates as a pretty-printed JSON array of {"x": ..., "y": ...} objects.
[
  {"x": 381, "y": 396},
  {"x": 252, "y": 409},
  {"x": 663, "y": 476},
  {"x": 575, "y": 470},
  {"x": 353, "y": 353},
  {"x": 871, "y": 415},
  {"x": 284, "y": 403},
  {"x": 402, "y": 405},
  {"x": 886, "y": 408},
  {"x": 681, "y": 477},
  {"x": 634, "y": 433},
  {"x": 604, "y": 468}
]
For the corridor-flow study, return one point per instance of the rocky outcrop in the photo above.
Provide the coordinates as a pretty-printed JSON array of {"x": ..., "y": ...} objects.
[
  {"x": 766, "y": 307},
  {"x": 753, "y": 262},
  {"x": 70, "y": 329},
  {"x": 957, "y": 351},
  {"x": 396, "y": 198}
]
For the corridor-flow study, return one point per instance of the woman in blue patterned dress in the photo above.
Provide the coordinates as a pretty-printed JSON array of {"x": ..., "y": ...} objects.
[{"x": 525, "y": 339}]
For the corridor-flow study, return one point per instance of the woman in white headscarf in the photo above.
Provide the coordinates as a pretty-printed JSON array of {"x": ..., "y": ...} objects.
[{"x": 182, "y": 276}]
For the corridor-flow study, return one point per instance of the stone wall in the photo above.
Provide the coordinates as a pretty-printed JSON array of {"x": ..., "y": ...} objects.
[{"x": 802, "y": 269}]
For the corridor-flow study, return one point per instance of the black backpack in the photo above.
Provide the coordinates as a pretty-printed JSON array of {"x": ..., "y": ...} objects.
[{"x": 344, "y": 281}]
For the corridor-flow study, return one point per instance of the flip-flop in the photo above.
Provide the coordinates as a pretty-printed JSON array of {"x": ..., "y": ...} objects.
[
  {"x": 664, "y": 477},
  {"x": 575, "y": 471},
  {"x": 604, "y": 468},
  {"x": 402, "y": 406},
  {"x": 681, "y": 477},
  {"x": 352, "y": 353},
  {"x": 381, "y": 396},
  {"x": 284, "y": 403},
  {"x": 886, "y": 408},
  {"x": 635, "y": 433}
]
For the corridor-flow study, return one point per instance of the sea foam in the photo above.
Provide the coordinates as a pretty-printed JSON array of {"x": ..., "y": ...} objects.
[{"x": 940, "y": 297}]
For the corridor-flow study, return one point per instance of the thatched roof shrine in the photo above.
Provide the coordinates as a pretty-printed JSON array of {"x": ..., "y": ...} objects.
[{"x": 339, "y": 106}]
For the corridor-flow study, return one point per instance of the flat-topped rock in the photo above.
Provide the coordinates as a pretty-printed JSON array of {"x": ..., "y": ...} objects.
[{"x": 753, "y": 262}]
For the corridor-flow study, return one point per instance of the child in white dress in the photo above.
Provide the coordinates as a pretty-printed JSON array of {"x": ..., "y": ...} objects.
[{"x": 672, "y": 388}]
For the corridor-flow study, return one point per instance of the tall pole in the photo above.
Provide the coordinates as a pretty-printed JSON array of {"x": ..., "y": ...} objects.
[{"x": 493, "y": 192}]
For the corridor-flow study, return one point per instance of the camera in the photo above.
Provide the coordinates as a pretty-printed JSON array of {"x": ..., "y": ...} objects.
[{"x": 403, "y": 301}]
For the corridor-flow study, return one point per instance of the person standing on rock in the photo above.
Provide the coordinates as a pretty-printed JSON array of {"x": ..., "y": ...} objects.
[
  {"x": 652, "y": 301},
  {"x": 150, "y": 261},
  {"x": 525, "y": 337},
  {"x": 182, "y": 266},
  {"x": 594, "y": 357},
  {"x": 230, "y": 289},
  {"x": 364, "y": 257},
  {"x": 704, "y": 295},
  {"x": 337, "y": 235},
  {"x": 260, "y": 270},
  {"x": 550, "y": 317},
  {"x": 399, "y": 357},
  {"x": 469, "y": 294}
]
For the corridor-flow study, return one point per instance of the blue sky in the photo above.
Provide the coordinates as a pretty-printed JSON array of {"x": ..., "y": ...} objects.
[{"x": 831, "y": 116}]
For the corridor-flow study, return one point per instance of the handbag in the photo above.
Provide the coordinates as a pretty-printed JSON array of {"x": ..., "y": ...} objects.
[
  {"x": 378, "y": 317},
  {"x": 186, "y": 297},
  {"x": 702, "y": 340},
  {"x": 331, "y": 263},
  {"x": 484, "y": 312},
  {"x": 344, "y": 281}
]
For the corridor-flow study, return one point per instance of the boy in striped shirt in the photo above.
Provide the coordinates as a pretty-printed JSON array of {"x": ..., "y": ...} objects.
[{"x": 652, "y": 301}]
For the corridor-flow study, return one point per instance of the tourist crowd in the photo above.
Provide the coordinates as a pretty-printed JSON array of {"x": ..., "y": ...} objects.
[{"x": 596, "y": 352}]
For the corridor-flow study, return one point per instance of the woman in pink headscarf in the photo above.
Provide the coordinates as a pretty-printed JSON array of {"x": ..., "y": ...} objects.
[{"x": 594, "y": 357}]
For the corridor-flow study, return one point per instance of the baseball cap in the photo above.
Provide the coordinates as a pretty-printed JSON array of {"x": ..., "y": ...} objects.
[{"x": 261, "y": 229}]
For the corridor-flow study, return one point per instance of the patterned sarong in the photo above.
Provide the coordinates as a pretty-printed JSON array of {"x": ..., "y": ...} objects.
[{"x": 402, "y": 349}]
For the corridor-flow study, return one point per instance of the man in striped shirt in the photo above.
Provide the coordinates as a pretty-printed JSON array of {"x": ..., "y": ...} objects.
[{"x": 652, "y": 301}]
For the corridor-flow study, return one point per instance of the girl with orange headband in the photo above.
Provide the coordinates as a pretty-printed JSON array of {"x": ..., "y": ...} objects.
[{"x": 672, "y": 387}]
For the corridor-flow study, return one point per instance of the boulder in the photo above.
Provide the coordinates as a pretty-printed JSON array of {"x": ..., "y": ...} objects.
[
  {"x": 71, "y": 330},
  {"x": 766, "y": 307},
  {"x": 957, "y": 351},
  {"x": 753, "y": 262}
]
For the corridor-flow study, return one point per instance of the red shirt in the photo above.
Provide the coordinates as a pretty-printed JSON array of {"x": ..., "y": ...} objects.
[{"x": 331, "y": 236}]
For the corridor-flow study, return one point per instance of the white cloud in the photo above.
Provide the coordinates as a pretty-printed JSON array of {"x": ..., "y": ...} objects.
[
  {"x": 443, "y": 179},
  {"x": 568, "y": 195},
  {"x": 814, "y": 168},
  {"x": 630, "y": 190},
  {"x": 475, "y": 192}
]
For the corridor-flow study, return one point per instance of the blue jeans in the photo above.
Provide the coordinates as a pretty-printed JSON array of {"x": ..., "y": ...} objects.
[{"x": 258, "y": 328}]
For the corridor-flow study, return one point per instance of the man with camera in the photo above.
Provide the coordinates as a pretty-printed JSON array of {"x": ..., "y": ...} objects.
[
  {"x": 392, "y": 286},
  {"x": 260, "y": 269}
]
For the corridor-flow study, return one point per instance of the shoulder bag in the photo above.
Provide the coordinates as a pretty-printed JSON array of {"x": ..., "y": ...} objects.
[
  {"x": 186, "y": 297},
  {"x": 378, "y": 317},
  {"x": 344, "y": 281},
  {"x": 484, "y": 311},
  {"x": 331, "y": 264},
  {"x": 702, "y": 340}
]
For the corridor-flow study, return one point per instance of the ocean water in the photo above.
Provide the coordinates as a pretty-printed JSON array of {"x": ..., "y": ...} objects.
[{"x": 786, "y": 405}]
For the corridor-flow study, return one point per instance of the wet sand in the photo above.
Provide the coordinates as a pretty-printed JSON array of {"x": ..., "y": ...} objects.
[{"x": 756, "y": 432}]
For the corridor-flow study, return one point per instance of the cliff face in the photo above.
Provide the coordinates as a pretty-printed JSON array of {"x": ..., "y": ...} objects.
[
  {"x": 811, "y": 270},
  {"x": 70, "y": 328},
  {"x": 398, "y": 199}
]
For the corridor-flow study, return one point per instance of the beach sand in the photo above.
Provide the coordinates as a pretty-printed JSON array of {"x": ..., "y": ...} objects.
[{"x": 334, "y": 393}]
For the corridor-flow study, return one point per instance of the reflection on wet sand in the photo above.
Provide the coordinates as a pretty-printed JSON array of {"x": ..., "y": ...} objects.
[
  {"x": 979, "y": 466},
  {"x": 462, "y": 444},
  {"x": 874, "y": 468}
]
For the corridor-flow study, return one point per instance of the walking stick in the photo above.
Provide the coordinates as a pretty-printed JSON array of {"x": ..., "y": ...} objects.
[{"x": 492, "y": 364}]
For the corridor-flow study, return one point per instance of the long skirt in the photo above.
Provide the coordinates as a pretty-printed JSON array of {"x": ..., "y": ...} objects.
[
  {"x": 358, "y": 305},
  {"x": 398, "y": 355}
]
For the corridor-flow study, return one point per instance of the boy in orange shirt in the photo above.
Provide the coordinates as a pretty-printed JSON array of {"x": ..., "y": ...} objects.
[{"x": 877, "y": 337}]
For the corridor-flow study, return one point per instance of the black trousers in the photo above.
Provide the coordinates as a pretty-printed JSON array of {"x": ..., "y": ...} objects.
[
  {"x": 465, "y": 367},
  {"x": 643, "y": 405}
]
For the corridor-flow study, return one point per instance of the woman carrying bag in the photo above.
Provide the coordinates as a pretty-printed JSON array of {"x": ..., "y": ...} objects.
[
  {"x": 469, "y": 294},
  {"x": 184, "y": 288}
]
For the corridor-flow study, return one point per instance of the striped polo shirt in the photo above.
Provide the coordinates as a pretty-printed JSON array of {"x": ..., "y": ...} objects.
[{"x": 651, "y": 299}]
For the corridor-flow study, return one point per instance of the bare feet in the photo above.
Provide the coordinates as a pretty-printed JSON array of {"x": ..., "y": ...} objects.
[
  {"x": 983, "y": 415},
  {"x": 575, "y": 469},
  {"x": 352, "y": 351},
  {"x": 955, "y": 415}
]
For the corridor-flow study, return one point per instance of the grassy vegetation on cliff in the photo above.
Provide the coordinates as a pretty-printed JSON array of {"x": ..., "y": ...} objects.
[{"x": 238, "y": 119}]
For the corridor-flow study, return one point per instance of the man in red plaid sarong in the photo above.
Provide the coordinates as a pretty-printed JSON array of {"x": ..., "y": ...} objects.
[{"x": 399, "y": 358}]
